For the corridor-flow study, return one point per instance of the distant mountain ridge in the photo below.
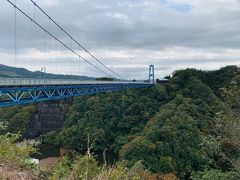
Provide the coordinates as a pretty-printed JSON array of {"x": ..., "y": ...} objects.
[{"x": 13, "y": 72}]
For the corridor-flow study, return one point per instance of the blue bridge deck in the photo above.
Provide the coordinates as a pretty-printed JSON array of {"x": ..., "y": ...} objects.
[{"x": 25, "y": 91}]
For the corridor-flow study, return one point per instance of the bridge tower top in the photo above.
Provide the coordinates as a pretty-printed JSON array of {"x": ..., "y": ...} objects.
[{"x": 151, "y": 74}]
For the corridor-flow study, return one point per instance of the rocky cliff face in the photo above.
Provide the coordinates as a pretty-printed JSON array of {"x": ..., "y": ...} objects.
[{"x": 50, "y": 116}]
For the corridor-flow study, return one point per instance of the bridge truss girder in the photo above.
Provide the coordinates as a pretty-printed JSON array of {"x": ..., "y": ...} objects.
[{"x": 11, "y": 96}]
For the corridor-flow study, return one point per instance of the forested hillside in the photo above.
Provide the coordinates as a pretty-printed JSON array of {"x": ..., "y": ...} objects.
[
  {"x": 189, "y": 127},
  {"x": 14, "y": 72}
]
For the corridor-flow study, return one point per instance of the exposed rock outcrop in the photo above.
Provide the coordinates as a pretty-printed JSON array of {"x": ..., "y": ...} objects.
[{"x": 50, "y": 116}]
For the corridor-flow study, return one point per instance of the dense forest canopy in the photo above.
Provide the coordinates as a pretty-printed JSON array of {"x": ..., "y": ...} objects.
[{"x": 189, "y": 126}]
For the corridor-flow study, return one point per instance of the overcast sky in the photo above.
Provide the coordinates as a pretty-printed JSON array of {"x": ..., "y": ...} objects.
[{"x": 126, "y": 35}]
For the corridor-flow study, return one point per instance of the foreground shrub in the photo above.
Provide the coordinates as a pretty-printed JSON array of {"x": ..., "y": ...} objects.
[
  {"x": 216, "y": 174},
  {"x": 15, "y": 153},
  {"x": 87, "y": 168}
]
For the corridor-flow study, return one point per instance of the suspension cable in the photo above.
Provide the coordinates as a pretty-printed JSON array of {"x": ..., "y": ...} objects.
[
  {"x": 75, "y": 40},
  {"x": 15, "y": 36},
  {"x": 66, "y": 46}
]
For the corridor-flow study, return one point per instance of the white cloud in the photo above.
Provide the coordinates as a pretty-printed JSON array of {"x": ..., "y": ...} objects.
[
  {"x": 128, "y": 35},
  {"x": 133, "y": 64},
  {"x": 48, "y": 2}
]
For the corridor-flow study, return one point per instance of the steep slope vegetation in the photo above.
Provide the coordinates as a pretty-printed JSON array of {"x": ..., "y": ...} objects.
[
  {"x": 170, "y": 128},
  {"x": 188, "y": 127}
]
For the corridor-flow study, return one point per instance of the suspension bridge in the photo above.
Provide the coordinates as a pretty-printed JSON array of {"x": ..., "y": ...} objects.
[{"x": 19, "y": 90}]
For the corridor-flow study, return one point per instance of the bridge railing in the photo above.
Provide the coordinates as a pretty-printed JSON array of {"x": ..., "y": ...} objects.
[{"x": 32, "y": 81}]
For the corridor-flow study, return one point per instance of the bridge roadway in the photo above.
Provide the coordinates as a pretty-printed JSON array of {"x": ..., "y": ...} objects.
[{"x": 16, "y": 91}]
